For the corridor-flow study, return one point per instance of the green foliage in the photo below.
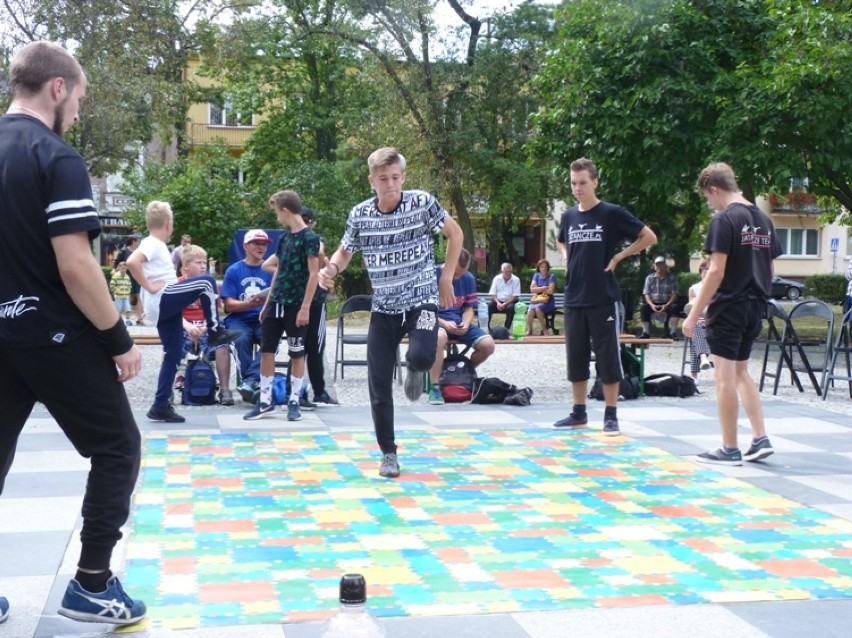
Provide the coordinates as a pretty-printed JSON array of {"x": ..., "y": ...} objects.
[
  {"x": 685, "y": 280},
  {"x": 204, "y": 194},
  {"x": 829, "y": 288},
  {"x": 654, "y": 91}
]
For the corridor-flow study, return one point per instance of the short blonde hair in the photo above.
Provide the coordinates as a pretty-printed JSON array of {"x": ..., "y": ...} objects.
[
  {"x": 386, "y": 156},
  {"x": 191, "y": 252},
  {"x": 717, "y": 174},
  {"x": 157, "y": 214}
]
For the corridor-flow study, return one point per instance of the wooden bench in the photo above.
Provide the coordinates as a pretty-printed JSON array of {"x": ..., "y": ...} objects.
[
  {"x": 146, "y": 340},
  {"x": 549, "y": 318}
]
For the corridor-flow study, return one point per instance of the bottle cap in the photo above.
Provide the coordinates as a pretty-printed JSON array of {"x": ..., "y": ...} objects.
[{"x": 353, "y": 589}]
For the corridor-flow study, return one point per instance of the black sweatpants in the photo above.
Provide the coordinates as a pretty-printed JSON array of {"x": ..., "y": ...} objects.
[
  {"x": 383, "y": 337},
  {"x": 78, "y": 383}
]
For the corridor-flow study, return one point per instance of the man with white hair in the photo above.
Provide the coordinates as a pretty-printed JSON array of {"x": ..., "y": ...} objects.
[{"x": 505, "y": 292}]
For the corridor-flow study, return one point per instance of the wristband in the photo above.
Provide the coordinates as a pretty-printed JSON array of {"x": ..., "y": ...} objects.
[
  {"x": 116, "y": 339},
  {"x": 336, "y": 269}
]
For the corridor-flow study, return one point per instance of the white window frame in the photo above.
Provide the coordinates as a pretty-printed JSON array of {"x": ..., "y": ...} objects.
[
  {"x": 785, "y": 235},
  {"x": 226, "y": 112}
]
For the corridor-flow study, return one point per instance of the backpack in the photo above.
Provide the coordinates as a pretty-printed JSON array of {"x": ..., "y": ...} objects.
[
  {"x": 280, "y": 391},
  {"x": 457, "y": 379},
  {"x": 670, "y": 385},
  {"x": 491, "y": 390},
  {"x": 628, "y": 389},
  {"x": 199, "y": 384}
]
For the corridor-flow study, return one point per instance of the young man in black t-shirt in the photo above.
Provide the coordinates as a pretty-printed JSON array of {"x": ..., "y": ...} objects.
[
  {"x": 742, "y": 243},
  {"x": 62, "y": 342},
  {"x": 590, "y": 236}
]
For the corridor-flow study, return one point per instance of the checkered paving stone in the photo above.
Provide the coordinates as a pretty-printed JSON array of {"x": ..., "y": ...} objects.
[{"x": 257, "y": 528}]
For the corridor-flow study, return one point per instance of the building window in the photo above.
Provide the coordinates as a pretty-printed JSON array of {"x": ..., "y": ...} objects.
[
  {"x": 799, "y": 242},
  {"x": 225, "y": 115}
]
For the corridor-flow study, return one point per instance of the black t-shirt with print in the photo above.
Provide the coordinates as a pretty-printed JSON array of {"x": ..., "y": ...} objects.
[
  {"x": 45, "y": 192},
  {"x": 293, "y": 251},
  {"x": 593, "y": 237},
  {"x": 746, "y": 235},
  {"x": 397, "y": 249}
]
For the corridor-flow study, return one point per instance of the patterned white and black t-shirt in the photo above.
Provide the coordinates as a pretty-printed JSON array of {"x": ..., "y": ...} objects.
[
  {"x": 45, "y": 192},
  {"x": 397, "y": 249}
]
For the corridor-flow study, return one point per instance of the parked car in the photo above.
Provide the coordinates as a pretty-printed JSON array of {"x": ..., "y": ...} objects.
[{"x": 788, "y": 288}]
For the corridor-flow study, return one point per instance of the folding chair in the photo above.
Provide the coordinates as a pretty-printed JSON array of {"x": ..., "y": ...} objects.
[
  {"x": 791, "y": 347},
  {"x": 842, "y": 345},
  {"x": 355, "y": 304}
]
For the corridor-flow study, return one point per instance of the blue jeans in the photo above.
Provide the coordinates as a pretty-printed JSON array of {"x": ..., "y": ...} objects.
[{"x": 249, "y": 369}]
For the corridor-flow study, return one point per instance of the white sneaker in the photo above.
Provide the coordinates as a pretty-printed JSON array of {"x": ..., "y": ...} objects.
[{"x": 705, "y": 362}]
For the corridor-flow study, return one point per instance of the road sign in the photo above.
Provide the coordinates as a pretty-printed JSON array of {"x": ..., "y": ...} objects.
[{"x": 835, "y": 244}]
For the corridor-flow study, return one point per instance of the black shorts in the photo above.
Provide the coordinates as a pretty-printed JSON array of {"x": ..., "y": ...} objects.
[
  {"x": 732, "y": 327},
  {"x": 598, "y": 327},
  {"x": 279, "y": 320}
]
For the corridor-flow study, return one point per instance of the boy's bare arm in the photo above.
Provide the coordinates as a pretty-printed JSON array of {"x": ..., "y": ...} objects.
[{"x": 134, "y": 265}]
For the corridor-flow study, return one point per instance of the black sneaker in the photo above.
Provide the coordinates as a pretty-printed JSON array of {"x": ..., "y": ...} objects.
[
  {"x": 164, "y": 414},
  {"x": 389, "y": 466},
  {"x": 610, "y": 427},
  {"x": 221, "y": 336},
  {"x": 111, "y": 606},
  {"x": 413, "y": 385},
  {"x": 226, "y": 397},
  {"x": 572, "y": 422},
  {"x": 643, "y": 335},
  {"x": 759, "y": 451},
  {"x": 258, "y": 411},
  {"x": 720, "y": 457},
  {"x": 305, "y": 403},
  {"x": 324, "y": 398}
]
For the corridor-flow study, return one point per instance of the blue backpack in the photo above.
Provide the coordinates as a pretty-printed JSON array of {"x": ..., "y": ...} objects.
[{"x": 199, "y": 385}]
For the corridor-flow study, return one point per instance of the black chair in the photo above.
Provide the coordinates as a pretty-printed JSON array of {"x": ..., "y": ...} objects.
[
  {"x": 842, "y": 345},
  {"x": 793, "y": 350},
  {"x": 354, "y": 337}
]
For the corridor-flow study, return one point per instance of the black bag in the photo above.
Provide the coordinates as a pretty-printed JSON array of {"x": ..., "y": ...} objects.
[
  {"x": 520, "y": 396},
  {"x": 199, "y": 385},
  {"x": 457, "y": 379},
  {"x": 670, "y": 385},
  {"x": 491, "y": 390},
  {"x": 628, "y": 389}
]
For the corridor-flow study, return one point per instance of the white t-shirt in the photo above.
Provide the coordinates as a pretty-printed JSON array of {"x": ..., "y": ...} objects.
[
  {"x": 159, "y": 267},
  {"x": 505, "y": 290}
]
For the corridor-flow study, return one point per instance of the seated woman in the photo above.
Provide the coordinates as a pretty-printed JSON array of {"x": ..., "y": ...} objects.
[
  {"x": 700, "y": 350},
  {"x": 543, "y": 285}
]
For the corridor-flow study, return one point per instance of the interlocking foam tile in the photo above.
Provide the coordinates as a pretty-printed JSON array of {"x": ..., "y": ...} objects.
[{"x": 257, "y": 528}]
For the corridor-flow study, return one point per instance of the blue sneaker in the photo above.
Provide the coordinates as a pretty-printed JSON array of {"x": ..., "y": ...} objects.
[
  {"x": 572, "y": 422},
  {"x": 112, "y": 606},
  {"x": 258, "y": 411},
  {"x": 293, "y": 411},
  {"x": 4, "y": 609}
]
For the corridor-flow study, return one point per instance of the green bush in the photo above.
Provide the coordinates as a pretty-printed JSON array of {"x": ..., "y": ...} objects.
[
  {"x": 829, "y": 288},
  {"x": 107, "y": 270}
]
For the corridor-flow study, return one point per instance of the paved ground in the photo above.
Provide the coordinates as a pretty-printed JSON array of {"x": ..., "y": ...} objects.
[{"x": 812, "y": 466}]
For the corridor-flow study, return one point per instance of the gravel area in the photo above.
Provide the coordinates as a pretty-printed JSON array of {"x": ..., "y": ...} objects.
[{"x": 540, "y": 367}]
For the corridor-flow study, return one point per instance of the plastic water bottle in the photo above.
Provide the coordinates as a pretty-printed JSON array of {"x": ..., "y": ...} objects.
[
  {"x": 482, "y": 313},
  {"x": 519, "y": 322},
  {"x": 353, "y": 620}
]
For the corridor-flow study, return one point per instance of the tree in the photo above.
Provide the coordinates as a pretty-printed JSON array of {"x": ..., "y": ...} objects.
[
  {"x": 203, "y": 192},
  {"x": 654, "y": 91}
]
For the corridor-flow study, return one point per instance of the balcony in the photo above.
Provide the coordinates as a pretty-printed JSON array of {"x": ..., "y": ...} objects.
[{"x": 230, "y": 136}]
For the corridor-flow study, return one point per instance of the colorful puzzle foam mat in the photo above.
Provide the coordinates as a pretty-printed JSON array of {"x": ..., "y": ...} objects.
[{"x": 258, "y": 528}]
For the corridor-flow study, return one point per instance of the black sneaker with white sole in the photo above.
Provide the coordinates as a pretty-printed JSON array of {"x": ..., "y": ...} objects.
[
  {"x": 324, "y": 398},
  {"x": 306, "y": 404},
  {"x": 221, "y": 336},
  {"x": 720, "y": 457},
  {"x": 164, "y": 414},
  {"x": 413, "y": 385},
  {"x": 758, "y": 451}
]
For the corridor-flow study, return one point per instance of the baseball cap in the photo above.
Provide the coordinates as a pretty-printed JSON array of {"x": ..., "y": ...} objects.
[
  {"x": 255, "y": 234},
  {"x": 307, "y": 214},
  {"x": 660, "y": 260}
]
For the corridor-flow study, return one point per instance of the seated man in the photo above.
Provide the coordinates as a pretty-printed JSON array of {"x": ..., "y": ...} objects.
[
  {"x": 457, "y": 324},
  {"x": 660, "y": 296},
  {"x": 194, "y": 263},
  {"x": 505, "y": 292},
  {"x": 244, "y": 291}
]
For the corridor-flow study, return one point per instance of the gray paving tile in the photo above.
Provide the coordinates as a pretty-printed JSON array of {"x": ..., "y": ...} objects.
[
  {"x": 794, "y": 490},
  {"x": 798, "y": 618},
  {"x": 32, "y": 553},
  {"x": 492, "y": 625},
  {"x": 28, "y": 442},
  {"x": 806, "y": 464},
  {"x": 838, "y": 443},
  {"x": 34, "y": 484}
]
